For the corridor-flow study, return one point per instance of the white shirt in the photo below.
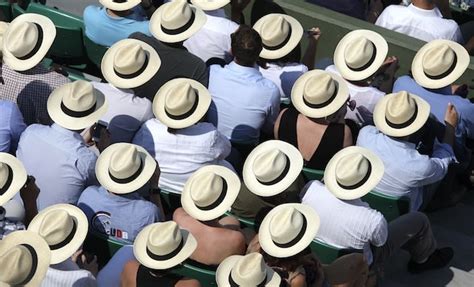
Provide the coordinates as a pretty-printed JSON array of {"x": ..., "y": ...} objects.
[
  {"x": 365, "y": 97},
  {"x": 213, "y": 39},
  {"x": 346, "y": 224},
  {"x": 68, "y": 274},
  {"x": 426, "y": 25},
  {"x": 126, "y": 112},
  {"x": 181, "y": 154},
  {"x": 284, "y": 76}
]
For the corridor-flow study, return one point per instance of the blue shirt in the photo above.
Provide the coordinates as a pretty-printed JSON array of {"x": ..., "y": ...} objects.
[
  {"x": 120, "y": 216},
  {"x": 243, "y": 102},
  {"x": 106, "y": 30},
  {"x": 11, "y": 126},
  {"x": 59, "y": 160}
]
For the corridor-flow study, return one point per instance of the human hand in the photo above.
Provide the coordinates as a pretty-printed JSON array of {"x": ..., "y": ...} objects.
[
  {"x": 89, "y": 264},
  {"x": 460, "y": 90},
  {"x": 155, "y": 178},
  {"x": 451, "y": 116},
  {"x": 314, "y": 34},
  {"x": 30, "y": 191},
  {"x": 87, "y": 135}
]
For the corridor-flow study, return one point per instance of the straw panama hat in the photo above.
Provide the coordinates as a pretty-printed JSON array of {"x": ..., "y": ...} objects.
[
  {"x": 318, "y": 94},
  {"x": 124, "y": 168},
  {"x": 130, "y": 63},
  {"x": 64, "y": 227},
  {"x": 288, "y": 229},
  {"x": 76, "y": 105},
  {"x": 12, "y": 177},
  {"x": 209, "y": 5},
  {"x": 163, "y": 245},
  {"x": 272, "y": 167},
  {"x": 27, "y": 40},
  {"x": 180, "y": 103},
  {"x": 121, "y": 5},
  {"x": 25, "y": 258},
  {"x": 176, "y": 21},
  {"x": 353, "y": 172},
  {"x": 280, "y": 35},
  {"x": 210, "y": 192},
  {"x": 360, "y": 54},
  {"x": 248, "y": 270},
  {"x": 400, "y": 114},
  {"x": 439, "y": 63}
]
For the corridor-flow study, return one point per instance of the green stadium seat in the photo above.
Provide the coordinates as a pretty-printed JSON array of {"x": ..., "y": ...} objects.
[
  {"x": 206, "y": 275},
  {"x": 5, "y": 8},
  {"x": 391, "y": 207},
  {"x": 327, "y": 253},
  {"x": 103, "y": 246},
  {"x": 17, "y": 11},
  {"x": 313, "y": 174},
  {"x": 94, "y": 51},
  {"x": 244, "y": 222}
]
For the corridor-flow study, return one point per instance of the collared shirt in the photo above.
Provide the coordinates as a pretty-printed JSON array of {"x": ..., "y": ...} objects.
[
  {"x": 106, "y": 30},
  {"x": 59, "y": 160},
  {"x": 423, "y": 24},
  {"x": 406, "y": 170},
  {"x": 11, "y": 126},
  {"x": 284, "y": 76},
  {"x": 68, "y": 274},
  {"x": 244, "y": 102},
  {"x": 181, "y": 153},
  {"x": 126, "y": 112},
  {"x": 30, "y": 90},
  {"x": 346, "y": 223},
  {"x": 111, "y": 214}
]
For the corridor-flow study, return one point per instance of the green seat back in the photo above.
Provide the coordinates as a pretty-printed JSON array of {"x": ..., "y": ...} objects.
[
  {"x": 5, "y": 7},
  {"x": 391, "y": 207},
  {"x": 244, "y": 222},
  {"x": 103, "y": 246},
  {"x": 95, "y": 52},
  {"x": 170, "y": 200},
  {"x": 327, "y": 253},
  {"x": 206, "y": 275},
  {"x": 313, "y": 174},
  {"x": 17, "y": 11}
]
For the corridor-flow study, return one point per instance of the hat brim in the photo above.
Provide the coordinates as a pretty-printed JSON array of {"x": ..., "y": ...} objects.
[
  {"x": 49, "y": 34},
  {"x": 24, "y": 237},
  {"x": 107, "y": 65},
  {"x": 209, "y": 6},
  {"x": 140, "y": 250},
  {"x": 104, "y": 178},
  {"x": 233, "y": 188},
  {"x": 200, "y": 111},
  {"x": 463, "y": 60},
  {"x": 381, "y": 54},
  {"x": 157, "y": 31},
  {"x": 297, "y": 96},
  {"x": 296, "y": 166},
  {"x": 312, "y": 227},
  {"x": 225, "y": 268},
  {"x": 129, "y": 4},
  {"x": 376, "y": 174},
  {"x": 295, "y": 37},
  {"x": 382, "y": 125},
  {"x": 18, "y": 179},
  {"x": 74, "y": 123},
  {"x": 82, "y": 225}
]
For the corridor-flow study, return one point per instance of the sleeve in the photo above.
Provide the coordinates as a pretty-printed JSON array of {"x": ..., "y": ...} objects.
[
  {"x": 273, "y": 112},
  {"x": 202, "y": 74},
  {"x": 457, "y": 36},
  {"x": 382, "y": 19},
  {"x": 380, "y": 232},
  {"x": 86, "y": 166},
  {"x": 437, "y": 166},
  {"x": 17, "y": 126},
  {"x": 221, "y": 146},
  {"x": 145, "y": 28},
  {"x": 87, "y": 281},
  {"x": 468, "y": 119}
]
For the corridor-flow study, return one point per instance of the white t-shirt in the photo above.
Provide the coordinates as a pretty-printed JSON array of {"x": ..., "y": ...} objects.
[
  {"x": 365, "y": 98},
  {"x": 426, "y": 25},
  {"x": 284, "y": 76}
]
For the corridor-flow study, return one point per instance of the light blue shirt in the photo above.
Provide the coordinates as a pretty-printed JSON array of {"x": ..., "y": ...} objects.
[
  {"x": 406, "y": 170},
  {"x": 244, "y": 102},
  {"x": 106, "y": 30},
  {"x": 11, "y": 126},
  {"x": 59, "y": 160},
  {"x": 120, "y": 216}
]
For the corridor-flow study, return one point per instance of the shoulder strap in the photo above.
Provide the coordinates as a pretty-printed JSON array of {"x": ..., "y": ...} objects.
[
  {"x": 287, "y": 129},
  {"x": 331, "y": 142}
]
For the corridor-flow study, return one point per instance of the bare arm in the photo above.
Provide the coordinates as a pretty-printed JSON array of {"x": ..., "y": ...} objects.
[
  {"x": 310, "y": 54},
  {"x": 451, "y": 121}
]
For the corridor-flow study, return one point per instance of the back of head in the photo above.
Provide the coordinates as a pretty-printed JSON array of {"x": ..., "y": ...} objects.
[{"x": 246, "y": 46}]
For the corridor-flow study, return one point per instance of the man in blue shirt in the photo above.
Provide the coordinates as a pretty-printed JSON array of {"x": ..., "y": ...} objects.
[{"x": 11, "y": 126}]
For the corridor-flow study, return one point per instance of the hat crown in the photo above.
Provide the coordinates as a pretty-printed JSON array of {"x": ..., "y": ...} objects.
[
  {"x": 16, "y": 263},
  {"x": 319, "y": 89},
  {"x": 129, "y": 59},
  {"x": 80, "y": 96},
  {"x": 206, "y": 189},
  {"x": 124, "y": 162},
  {"x": 269, "y": 165},
  {"x": 164, "y": 238},
  {"x": 275, "y": 30},
  {"x": 250, "y": 270},
  {"x": 56, "y": 226},
  {"x": 400, "y": 108},
  {"x": 22, "y": 39},
  {"x": 4, "y": 173},
  {"x": 438, "y": 60},
  {"x": 180, "y": 99},
  {"x": 358, "y": 52},
  {"x": 352, "y": 169},
  {"x": 176, "y": 14},
  {"x": 286, "y": 225}
]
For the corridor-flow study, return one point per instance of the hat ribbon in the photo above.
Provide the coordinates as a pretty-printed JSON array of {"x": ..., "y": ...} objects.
[
  {"x": 182, "y": 29},
  {"x": 295, "y": 240},
  {"x": 8, "y": 182},
  {"x": 279, "y": 46},
  {"x": 167, "y": 256},
  {"x": 361, "y": 182}
]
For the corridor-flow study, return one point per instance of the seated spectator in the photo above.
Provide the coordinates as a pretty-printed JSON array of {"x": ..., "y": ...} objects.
[
  {"x": 73, "y": 107},
  {"x": 25, "y": 80},
  {"x": 122, "y": 169},
  {"x": 11, "y": 126},
  {"x": 159, "y": 248},
  {"x": 347, "y": 222},
  {"x": 315, "y": 122},
  {"x": 178, "y": 138},
  {"x": 115, "y": 21},
  {"x": 244, "y": 102},
  {"x": 399, "y": 120},
  {"x": 421, "y": 20},
  {"x": 181, "y": 22}
]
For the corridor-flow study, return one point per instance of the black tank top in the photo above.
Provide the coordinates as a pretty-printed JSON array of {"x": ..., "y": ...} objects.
[{"x": 146, "y": 279}]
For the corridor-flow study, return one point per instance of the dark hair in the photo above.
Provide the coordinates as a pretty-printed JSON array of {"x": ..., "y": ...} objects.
[
  {"x": 246, "y": 45},
  {"x": 293, "y": 57}
]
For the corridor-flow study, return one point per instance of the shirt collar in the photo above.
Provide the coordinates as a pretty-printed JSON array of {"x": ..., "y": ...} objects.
[
  {"x": 433, "y": 12},
  {"x": 243, "y": 70}
]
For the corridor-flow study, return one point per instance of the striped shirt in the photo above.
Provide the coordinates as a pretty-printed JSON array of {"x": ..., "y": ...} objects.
[{"x": 68, "y": 274}]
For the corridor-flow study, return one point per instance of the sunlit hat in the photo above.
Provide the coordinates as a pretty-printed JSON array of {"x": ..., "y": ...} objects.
[
  {"x": 12, "y": 177},
  {"x": 360, "y": 54},
  {"x": 27, "y": 40},
  {"x": 120, "y": 5},
  {"x": 209, "y": 5},
  {"x": 439, "y": 63}
]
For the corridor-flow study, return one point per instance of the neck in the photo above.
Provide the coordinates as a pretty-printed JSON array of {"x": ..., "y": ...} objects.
[
  {"x": 241, "y": 64},
  {"x": 118, "y": 13},
  {"x": 423, "y": 4}
]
